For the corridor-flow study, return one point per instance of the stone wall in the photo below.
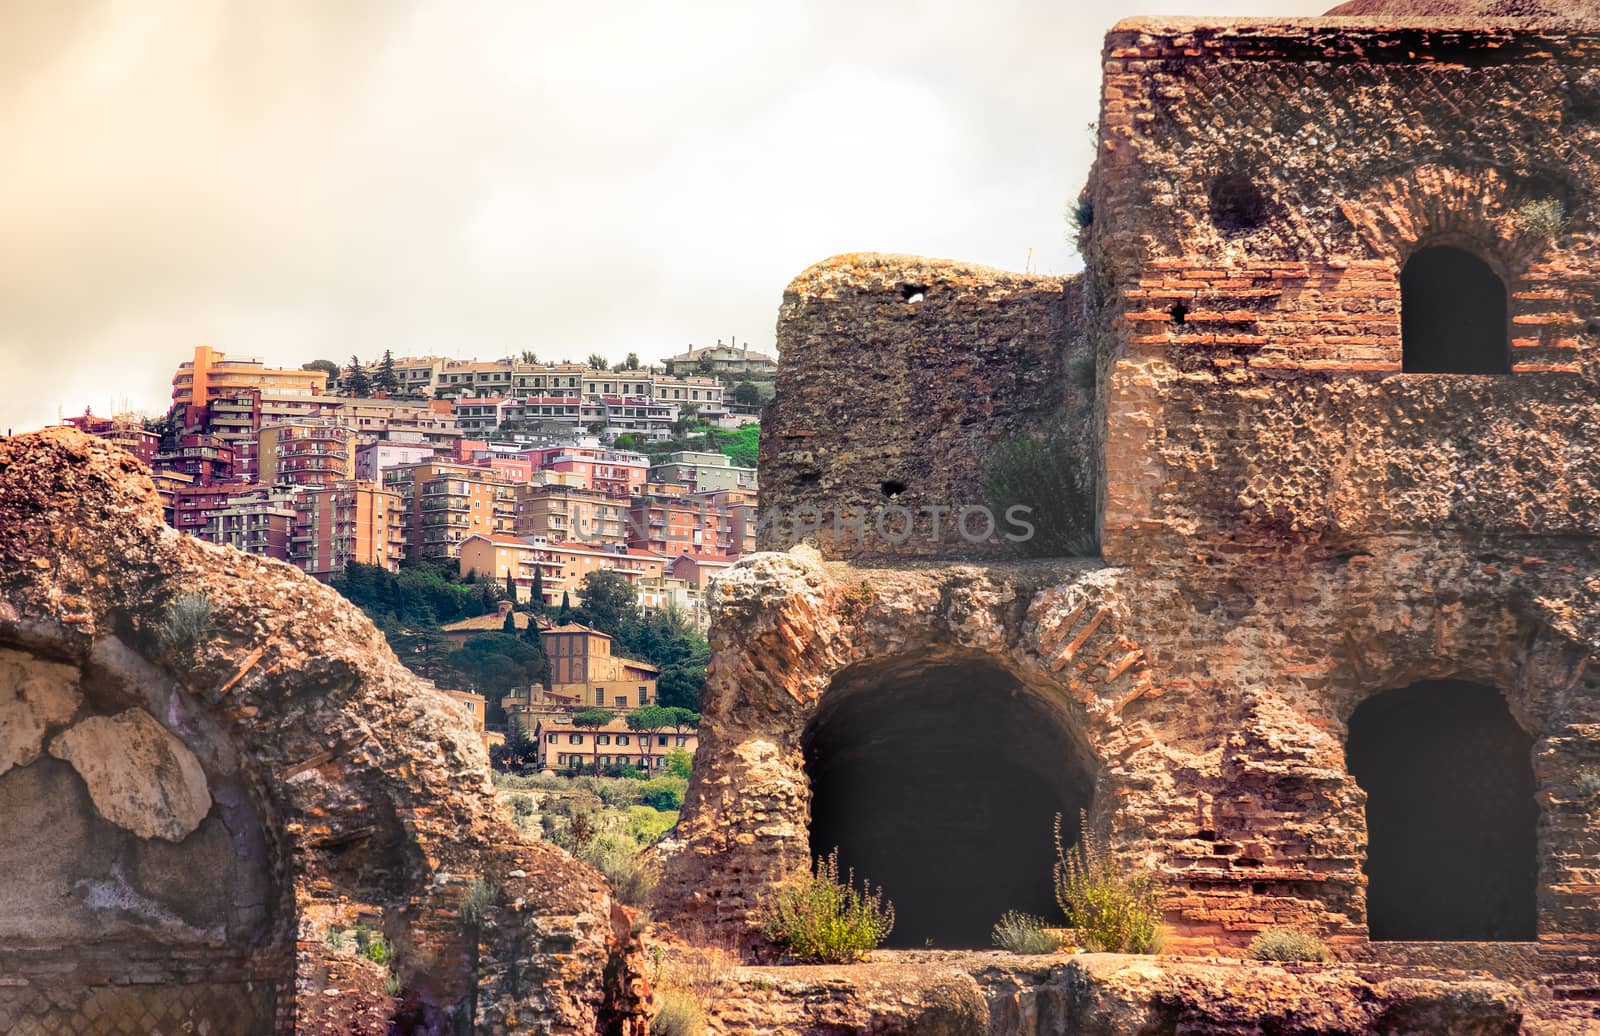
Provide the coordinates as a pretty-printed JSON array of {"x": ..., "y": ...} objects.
[
  {"x": 897, "y": 376},
  {"x": 188, "y": 820},
  {"x": 1268, "y": 181},
  {"x": 1290, "y": 524}
]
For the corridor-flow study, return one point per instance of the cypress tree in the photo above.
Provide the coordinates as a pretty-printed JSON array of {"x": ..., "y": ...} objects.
[{"x": 564, "y": 616}]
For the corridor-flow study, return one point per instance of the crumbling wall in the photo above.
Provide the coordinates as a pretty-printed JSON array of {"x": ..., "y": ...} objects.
[
  {"x": 1258, "y": 189},
  {"x": 1290, "y": 525},
  {"x": 284, "y": 737},
  {"x": 897, "y": 377}
]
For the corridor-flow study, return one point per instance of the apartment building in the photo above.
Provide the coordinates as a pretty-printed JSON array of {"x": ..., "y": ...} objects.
[
  {"x": 206, "y": 459},
  {"x": 307, "y": 452},
  {"x": 671, "y": 526},
  {"x": 445, "y": 503},
  {"x": 258, "y": 521},
  {"x": 703, "y": 471},
  {"x": 563, "y": 746},
  {"x": 615, "y": 473},
  {"x": 349, "y": 521},
  {"x": 559, "y": 507},
  {"x": 373, "y": 459},
  {"x": 640, "y": 416},
  {"x": 736, "y": 362},
  {"x": 562, "y": 565},
  {"x": 194, "y": 505},
  {"x": 211, "y": 375},
  {"x": 124, "y": 430}
]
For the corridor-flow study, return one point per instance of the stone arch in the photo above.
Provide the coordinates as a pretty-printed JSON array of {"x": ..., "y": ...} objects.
[{"x": 938, "y": 777}]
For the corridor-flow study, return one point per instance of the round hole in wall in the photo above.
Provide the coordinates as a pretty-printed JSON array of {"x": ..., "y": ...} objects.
[{"x": 1237, "y": 204}]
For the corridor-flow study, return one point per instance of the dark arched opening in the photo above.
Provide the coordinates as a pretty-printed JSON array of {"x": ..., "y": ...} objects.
[
  {"x": 1452, "y": 848},
  {"x": 940, "y": 782},
  {"x": 1452, "y": 314}
]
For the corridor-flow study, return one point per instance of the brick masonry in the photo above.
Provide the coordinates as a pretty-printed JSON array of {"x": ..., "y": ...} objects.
[{"x": 1289, "y": 525}]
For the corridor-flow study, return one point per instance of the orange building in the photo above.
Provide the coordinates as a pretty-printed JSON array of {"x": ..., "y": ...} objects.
[
  {"x": 309, "y": 452},
  {"x": 562, "y": 565},
  {"x": 563, "y": 746},
  {"x": 211, "y": 375},
  {"x": 567, "y": 510},
  {"x": 347, "y": 522},
  {"x": 445, "y": 503}
]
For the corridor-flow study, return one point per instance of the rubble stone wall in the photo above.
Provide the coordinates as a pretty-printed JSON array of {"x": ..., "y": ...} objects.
[
  {"x": 1290, "y": 525},
  {"x": 189, "y": 821},
  {"x": 897, "y": 376}
]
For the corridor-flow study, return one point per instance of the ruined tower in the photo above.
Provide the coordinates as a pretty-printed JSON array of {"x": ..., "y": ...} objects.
[{"x": 1328, "y": 381}]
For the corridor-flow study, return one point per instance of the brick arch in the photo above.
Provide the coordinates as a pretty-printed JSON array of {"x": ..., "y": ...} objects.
[
  {"x": 790, "y": 642},
  {"x": 1435, "y": 204}
]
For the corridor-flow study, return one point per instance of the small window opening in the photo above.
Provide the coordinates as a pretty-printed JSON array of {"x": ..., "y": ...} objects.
[
  {"x": 1179, "y": 313},
  {"x": 892, "y": 489},
  {"x": 912, "y": 292}
]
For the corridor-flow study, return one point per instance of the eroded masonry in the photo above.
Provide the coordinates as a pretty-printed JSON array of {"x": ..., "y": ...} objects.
[
  {"x": 1329, "y": 383},
  {"x": 204, "y": 804}
]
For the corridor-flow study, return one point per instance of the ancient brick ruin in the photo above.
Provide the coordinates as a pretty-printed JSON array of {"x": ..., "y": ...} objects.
[
  {"x": 187, "y": 823},
  {"x": 1332, "y": 366}
]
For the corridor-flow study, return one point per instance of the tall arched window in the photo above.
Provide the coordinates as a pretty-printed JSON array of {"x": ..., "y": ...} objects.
[{"x": 1453, "y": 314}]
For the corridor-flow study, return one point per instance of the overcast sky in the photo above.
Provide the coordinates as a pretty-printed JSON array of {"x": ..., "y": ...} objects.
[{"x": 303, "y": 180}]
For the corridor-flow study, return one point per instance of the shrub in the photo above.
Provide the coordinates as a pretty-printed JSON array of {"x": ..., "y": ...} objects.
[
  {"x": 679, "y": 1014},
  {"x": 663, "y": 793},
  {"x": 1050, "y": 476},
  {"x": 617, "y": 858},
  {"x": 185, "y": 623},
  {"x": 1287, "y": 944},
  {"x": 337, "y": 939},
  {"x": 523, "y": 806},
  {"x": 1587, "y": 784},
  {"x": 1024, "y": 933},
  {"x": 477, "y": 903},
  {"x": 679, "y": 764},
  {"x": 647, "y": 826},
  {"x": 1115, "y": 907},
  {"x": 1545, "y": 217},
  {"x": 820, "y": 918}
]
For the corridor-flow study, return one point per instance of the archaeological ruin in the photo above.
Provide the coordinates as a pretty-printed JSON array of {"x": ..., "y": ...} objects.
[
  {"x": 1328, "y": 384},
  {"x": 1304, "y": 618}
]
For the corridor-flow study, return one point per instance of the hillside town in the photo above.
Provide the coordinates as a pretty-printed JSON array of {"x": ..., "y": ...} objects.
[
  {"x": 510, "y": 488},
  {"x": 506, "y": 466}
]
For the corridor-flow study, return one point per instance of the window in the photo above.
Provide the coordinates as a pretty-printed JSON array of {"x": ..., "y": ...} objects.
[
  {"x": 599, "y": 695},
  {"x": 602, "y": 739},
  {"x": 622, "y": 739},
  {"x": 574, "y": 739},
  {"x": 1453, "y": 314},
  {"x": 644, "y": 696},
  {"x": 622, "y": 701},
  {"x": 661, "y": 739},
  {"x": 683, "y": 740},
  {"x": 553, "y": 738}
]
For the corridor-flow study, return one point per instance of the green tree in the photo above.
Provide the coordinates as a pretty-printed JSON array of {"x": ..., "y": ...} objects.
[
  {"x": 511, "y": 590},
  {"x": 356, "y": 382},
  {"x": 539, "y": 663},
  {"x": 631, "y": 362},
  {"x": 536, "y": 602},
  {"x": 648, "y": 721},
  {"x": 564, "y": 616},
  {"x": 593, "y": 720},
  {"x": 746, "y": 394},
  {"x": 519, "y": 754},
  {"x": 529, "y": 357},
  {"x": 598, "y": 362},
  {"x": 386, "y": 379},
  {"x": 680, "y": 685},
  {"x": 510, "y": 625},
  {"x": 327, "y": 367},
  {"x": 608, "y": 597}
]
